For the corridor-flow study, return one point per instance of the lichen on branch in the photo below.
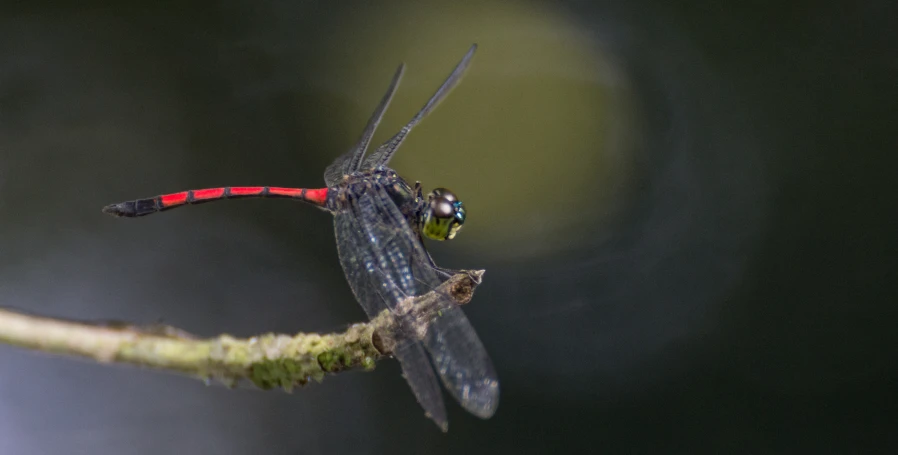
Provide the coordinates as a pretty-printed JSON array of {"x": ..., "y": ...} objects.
[{"x": 268, "y": 361}]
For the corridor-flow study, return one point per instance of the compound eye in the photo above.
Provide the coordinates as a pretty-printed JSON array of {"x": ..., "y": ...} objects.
[
  {"x": 443, "y": 193},
  {"x": 442, "y": 208}
]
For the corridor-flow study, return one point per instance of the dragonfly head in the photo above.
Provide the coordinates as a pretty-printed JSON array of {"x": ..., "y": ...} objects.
[{"x": 443, "y": 216}]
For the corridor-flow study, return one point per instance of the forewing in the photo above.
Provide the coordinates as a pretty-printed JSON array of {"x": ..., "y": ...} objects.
[
  {"x": 382, "y": 155},
  {"x": 376, "y": 268},
  {"x": 457, "y": 353},
  {"x": 462, "y": 362},
  {"x": 419, "y": 374},
  {"x": 349, "y": 161},
  {"x": 359, "y": 266}
]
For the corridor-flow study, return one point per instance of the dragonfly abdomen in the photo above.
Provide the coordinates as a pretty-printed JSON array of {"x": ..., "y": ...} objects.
[{"x": 148, "y": 206}]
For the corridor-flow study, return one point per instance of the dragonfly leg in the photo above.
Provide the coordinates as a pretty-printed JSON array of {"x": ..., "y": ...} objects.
[
  {"x": 419, "y": 196},
  {"x": 443, "y": 272}
]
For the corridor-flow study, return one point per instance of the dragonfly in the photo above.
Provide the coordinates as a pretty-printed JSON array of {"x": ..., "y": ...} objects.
[{"x": 380, "y": 221}]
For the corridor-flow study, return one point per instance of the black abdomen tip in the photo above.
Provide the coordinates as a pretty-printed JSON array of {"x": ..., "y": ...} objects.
[
  {"x": 122, "y": 209},
  {"x": 132, "y": 209}
]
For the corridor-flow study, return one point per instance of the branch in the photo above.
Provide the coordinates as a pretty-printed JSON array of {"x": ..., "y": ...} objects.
[{"x": 269, "y": 360}]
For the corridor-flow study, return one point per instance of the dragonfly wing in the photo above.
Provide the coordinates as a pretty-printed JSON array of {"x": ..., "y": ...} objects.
[
  {"x": 419, "y": 374},
  {"x": 382, "y": 155},
  {"x": 349, "y": 162},
  {"x": 358, "y": 266},
  {"x": 377, "y": 270},
  {"x": 457, "y": 353},
  {"x": 462, "y": 362}
]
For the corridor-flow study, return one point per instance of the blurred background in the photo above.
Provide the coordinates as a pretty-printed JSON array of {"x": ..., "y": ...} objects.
[{"x": 685, "y": 212}]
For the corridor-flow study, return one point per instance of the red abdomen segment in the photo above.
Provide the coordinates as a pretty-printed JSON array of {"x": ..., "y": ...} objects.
[{"x": 141, "y": 207}]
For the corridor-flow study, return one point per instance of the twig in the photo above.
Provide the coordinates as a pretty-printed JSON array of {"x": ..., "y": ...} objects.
[{"x": 269, "y": 360}]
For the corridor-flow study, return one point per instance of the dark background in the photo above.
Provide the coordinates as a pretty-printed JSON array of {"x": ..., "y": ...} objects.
[{"x": 685, "y": 212}]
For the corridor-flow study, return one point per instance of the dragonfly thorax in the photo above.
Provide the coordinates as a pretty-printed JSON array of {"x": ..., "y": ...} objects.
[
  {"x": 375, "y": 183},
  {"x": 438, "y": 217}
]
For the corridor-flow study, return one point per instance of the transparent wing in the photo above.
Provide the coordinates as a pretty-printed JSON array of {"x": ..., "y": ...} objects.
[
  {"x": 358, "y": 265},
  {"x": 377, "y": 282},
  {"x": 350, "y": 161},
  {"x": 460, "y": 359},
  {"x": 382, "y": 155},
  {"x": 419, "y": 374},
  {"x": 385, "y": 262},
  {"x": 462, "y": 363},
  {"x": 372, "y": 248}
]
